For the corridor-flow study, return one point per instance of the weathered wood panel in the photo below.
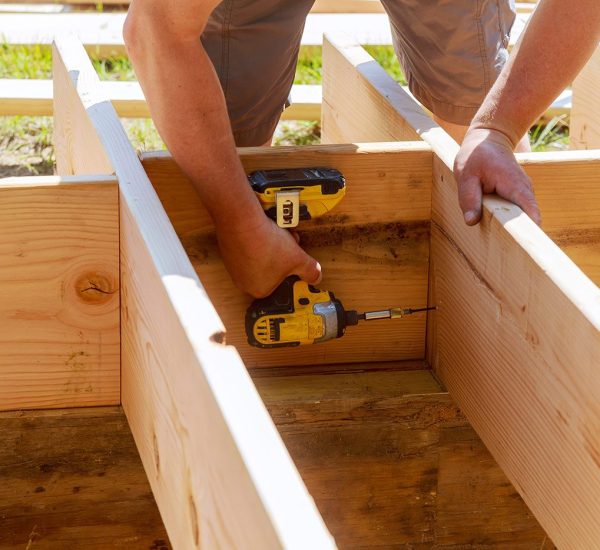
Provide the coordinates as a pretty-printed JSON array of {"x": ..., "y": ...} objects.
[
  {"x": 392, "y": 463},
  {"x": 59, "y": 292},
  {"x": 72, "y": 479}
]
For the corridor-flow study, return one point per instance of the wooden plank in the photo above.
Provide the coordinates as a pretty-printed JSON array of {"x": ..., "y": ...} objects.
[
  {"x": 102, "y": 32},
  {"x": 585, "y": 115},
  {"x": 566, "y": 187},
  {"x": 72, "y": 478},
  {"x": 392, "y": 463},
  {"x": 373, "y": 247},
  {"x": 34, "y": 98},
  {"x": 362, "y": 103},
  {"x": 518, "y": 342},
  {"x": 218, "y": 469},
  {"x": 59, "y": 292}
]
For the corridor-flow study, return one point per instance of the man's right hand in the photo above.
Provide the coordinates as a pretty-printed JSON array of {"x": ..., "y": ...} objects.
[{"x": 260, "y": 257}]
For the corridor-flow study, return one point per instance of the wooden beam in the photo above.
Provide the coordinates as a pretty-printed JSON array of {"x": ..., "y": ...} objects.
[
  {"x": 566, "y": 187},
  {"x": 73, "y": 478},
  {"x": 220, "y": 474},
  {"x": 363, "y": 103},
  {"x": 517, "y": 342},
  {"x": 59, "y": 297},
  {"x": 585, "y": 115},
  {"x": 29, "y": 97},
  {"x": 102, "y": 33},
  {"x": 373, "y": 247}
]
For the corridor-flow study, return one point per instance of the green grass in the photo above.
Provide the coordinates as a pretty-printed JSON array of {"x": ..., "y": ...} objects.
[
  {"x": 310, "y": 64},
  {"x": 27, "y": 141},
  {"x": 36, "y": 62}
]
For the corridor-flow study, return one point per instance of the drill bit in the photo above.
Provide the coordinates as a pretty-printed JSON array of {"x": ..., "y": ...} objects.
[{"x": 392, "y": 313}]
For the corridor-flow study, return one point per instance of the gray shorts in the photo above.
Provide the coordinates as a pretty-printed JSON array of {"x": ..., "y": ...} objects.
[{"x": 450, "y": 50}]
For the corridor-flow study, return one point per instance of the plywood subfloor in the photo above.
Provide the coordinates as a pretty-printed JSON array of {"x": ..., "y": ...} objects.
[
  {"x": 72, "y": 479},
  {"x": 392, "y": 463}
]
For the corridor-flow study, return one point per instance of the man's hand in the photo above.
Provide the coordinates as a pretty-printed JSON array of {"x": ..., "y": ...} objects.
[
  {"x": 259, "y": 258},
  {"x": 486, "y": 164}
]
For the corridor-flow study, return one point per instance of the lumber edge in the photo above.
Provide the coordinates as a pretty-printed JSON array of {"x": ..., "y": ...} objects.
[{"x": 202, "y": 431}]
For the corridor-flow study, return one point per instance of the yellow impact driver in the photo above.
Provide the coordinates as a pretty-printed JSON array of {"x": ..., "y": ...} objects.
[
  {"x": 298, "y": 313},
  {"x": 290, "y": 195}
]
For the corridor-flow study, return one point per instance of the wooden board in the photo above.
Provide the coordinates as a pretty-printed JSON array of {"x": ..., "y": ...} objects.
[
  {"x": 567, "y": 190},
  {"x": 518, "y": 343},
  {"x": 218, "y": 469},
  {"x": 584, "y": 128},
  {"x": 516, "y": 340},
  {"x": 102, "y": 32},
  {"x": 30, "y": 97},
  {"x": 363, "y": 103},
  {"x": 72, "y": 478},
  {"x": 59, "y": 292},
  {"x": 373, "y": 247},
  {"x": 392, "y": 463}
]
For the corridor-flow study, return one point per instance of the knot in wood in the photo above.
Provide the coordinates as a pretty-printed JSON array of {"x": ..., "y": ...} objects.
[{"x": 95, "y": 288}]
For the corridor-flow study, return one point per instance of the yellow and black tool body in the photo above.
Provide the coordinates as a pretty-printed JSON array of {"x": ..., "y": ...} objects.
[
  {"x": 290, "y": 195},
  {"x": 298, "y": 313}
]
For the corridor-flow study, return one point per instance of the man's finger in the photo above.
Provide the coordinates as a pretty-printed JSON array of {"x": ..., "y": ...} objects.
[
  {"x": 469, "y": 198},
  {"x": 525, "y": 199},
  {"x": 309, "y": 270}
]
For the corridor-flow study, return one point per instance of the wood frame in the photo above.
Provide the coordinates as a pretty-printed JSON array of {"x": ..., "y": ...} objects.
[
  {"x": 585, "y": 114},
  {"x": 530, "y": 396},
  {"x": 533, "y": 404}
]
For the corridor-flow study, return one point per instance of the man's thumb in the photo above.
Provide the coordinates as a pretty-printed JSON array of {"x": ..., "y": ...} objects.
[{"x": 309, "y": 270}]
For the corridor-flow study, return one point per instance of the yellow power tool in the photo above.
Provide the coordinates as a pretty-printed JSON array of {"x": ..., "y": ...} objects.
[
  {"x": 297, "y": 313},
  {"x": 290, "y": 195}
]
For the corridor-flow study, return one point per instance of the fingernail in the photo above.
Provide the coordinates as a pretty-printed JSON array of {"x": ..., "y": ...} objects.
[{"x": 470, "y": 217}]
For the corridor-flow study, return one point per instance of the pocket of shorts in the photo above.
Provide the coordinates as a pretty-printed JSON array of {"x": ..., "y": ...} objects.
[{"x": 507, "y": 14}]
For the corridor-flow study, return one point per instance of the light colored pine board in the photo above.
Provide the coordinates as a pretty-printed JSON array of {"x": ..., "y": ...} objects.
[
  {"x": 30, "y": 97},
  {"x": 567, "y": 190},
  {"x": 102, "y": 32},
  {"x": 72, "y": 478},
  {"x": 584, "y": 128},
  {"x": 518, "y": 344},
  {"x": 566, "y": 185},
  {"x": 362, "y": 103},
  {"x": 59, "y": 292},
  {"x": 218, "y": 469},
  {"x": 373, "y": 247},
  {"x": 393, "y": 463}
]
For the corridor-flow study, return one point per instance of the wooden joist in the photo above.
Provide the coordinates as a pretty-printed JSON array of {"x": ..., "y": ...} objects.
[
  {"x": 585, "y": 115},
  {"x": 517, "y": 340},
  {"x": 59, "y": 292},
  {"x": 203, "y": 434},
  {"x": 102, "y": 33},
  {"x": 31, "y": 97},
  {"x": 373, "y": 247}
]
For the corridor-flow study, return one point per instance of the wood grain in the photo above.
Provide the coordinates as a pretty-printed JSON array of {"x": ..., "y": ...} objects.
[
  {"x": 373, "y": 247},
  {"x": 518, "y": 345},
  {"x": 392, "y": 463},
  {"x": 363, "y": 103},
  {"x": 72, "y": 478},
  {"x": 218, "y": 469},
  {"x": 59, "y": 292},
  {"x": 584, "y": 126}
]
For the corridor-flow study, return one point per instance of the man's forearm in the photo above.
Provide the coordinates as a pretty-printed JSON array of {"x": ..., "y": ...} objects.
[
  {"x": 188, "y": 108},
  {"x": 559, "y": 39}
]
